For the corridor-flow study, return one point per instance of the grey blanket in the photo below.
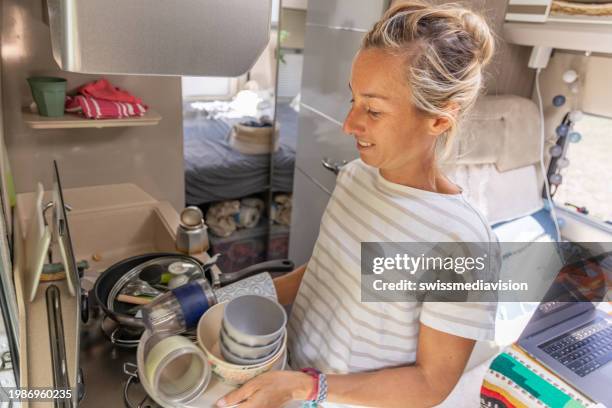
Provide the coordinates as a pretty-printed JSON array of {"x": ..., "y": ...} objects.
[{"x": 215, "y": 172}]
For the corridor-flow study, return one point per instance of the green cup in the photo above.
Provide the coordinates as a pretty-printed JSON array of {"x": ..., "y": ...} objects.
[{"x": 49, "y": 94}]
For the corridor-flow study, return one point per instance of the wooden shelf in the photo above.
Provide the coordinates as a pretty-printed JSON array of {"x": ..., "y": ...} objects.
[
  {"x": 561, "y": 35},
  {"x": 72, "y": 121}
]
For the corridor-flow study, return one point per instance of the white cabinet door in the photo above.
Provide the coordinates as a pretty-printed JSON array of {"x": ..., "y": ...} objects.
[
  {"x": 321, "y": 139},
  {"x": 334, "y": 31},
  {"x": 328, "y": 58},
  {"x": 309, "y": 202}
]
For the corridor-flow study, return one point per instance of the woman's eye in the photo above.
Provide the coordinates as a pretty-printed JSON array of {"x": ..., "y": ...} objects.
[
  {"x": 374, "y": 114},
  {"x": 352, "y": 100}
]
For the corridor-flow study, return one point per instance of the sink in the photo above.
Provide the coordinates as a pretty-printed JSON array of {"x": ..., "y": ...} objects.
[{"x": 106, "y": 236}]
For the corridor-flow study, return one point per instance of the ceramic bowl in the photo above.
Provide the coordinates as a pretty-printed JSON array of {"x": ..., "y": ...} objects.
[
  {"x": 248, "y": 352},
  {"x": 254, "y": 320},
  {"x": 245, "y": 355},
  {"x": 208, "y": 331}
]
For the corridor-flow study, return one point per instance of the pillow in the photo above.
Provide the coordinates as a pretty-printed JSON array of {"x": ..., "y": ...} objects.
[
  {"x": 501, "y": 129},
  {"x": 499, "y": 196}
]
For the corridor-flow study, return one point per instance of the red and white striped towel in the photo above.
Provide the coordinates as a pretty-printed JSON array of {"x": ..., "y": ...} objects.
[
  {"x": 102, "y": 89},
  {"x": 94, "y": 108}
]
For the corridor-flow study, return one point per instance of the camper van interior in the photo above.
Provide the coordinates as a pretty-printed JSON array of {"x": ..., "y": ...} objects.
[
  {"x": 183, "y": 212},
  {"x": 229, "y": 177}
]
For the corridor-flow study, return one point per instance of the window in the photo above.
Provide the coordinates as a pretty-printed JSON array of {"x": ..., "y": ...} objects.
[{"x": 587, "y": 181}]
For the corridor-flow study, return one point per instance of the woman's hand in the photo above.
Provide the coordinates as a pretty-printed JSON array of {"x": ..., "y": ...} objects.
[{"x": 270, "y": 390}]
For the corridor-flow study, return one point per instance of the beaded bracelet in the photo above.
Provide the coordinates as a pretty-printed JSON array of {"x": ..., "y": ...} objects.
[
  {"x": 319, "y": 392},
  {"x": 322, "y": 391},
  {"x": 315, "y": 376}
]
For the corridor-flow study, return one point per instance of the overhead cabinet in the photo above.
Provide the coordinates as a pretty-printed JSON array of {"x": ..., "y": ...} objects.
[{"x": 214, "y": 37}]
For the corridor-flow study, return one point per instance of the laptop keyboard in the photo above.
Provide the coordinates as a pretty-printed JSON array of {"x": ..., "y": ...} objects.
[{"x": 585, "y": 349}]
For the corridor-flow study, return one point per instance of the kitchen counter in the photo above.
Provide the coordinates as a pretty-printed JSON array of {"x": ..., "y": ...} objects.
[
  {"x": 104, "y": 378},
  {"x": 107, "y": 224}
]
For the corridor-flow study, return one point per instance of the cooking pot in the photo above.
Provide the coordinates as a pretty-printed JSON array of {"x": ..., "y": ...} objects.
[{"x": 107, "y": 280}]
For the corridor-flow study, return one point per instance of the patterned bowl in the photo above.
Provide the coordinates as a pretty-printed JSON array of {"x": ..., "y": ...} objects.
[{"x": 208, "y": 331}]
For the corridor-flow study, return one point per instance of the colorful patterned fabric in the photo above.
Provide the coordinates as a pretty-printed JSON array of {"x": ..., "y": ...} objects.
[{"x": 514, "y": 380}]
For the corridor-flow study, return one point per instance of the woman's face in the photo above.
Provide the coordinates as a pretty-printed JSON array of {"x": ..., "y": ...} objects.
[{"x": 389, "y": 131}]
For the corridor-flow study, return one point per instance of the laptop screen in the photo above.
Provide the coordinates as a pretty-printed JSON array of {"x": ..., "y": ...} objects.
[{"x": 577, "y": 289}]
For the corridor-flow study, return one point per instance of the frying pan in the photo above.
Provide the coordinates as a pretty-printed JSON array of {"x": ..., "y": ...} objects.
[{"x": 108, "y": 278}]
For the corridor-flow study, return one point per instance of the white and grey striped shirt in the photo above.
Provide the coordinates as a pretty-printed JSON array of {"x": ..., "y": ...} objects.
[{"x": 330, "y": 328}]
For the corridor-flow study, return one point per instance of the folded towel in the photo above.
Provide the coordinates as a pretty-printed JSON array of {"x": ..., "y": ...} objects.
[
  {"x": 220, "y": 217},
  {"x": 94, "y": 108},
  {"x": 281, "y": 209},
  {"x": 250, "y": 212},
  {"x": 225, "y": 217},
  {"x": 102, "y": 89}
]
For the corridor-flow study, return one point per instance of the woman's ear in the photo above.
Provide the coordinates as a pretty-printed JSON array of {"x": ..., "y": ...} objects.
[{"x": 440, "y": 124}]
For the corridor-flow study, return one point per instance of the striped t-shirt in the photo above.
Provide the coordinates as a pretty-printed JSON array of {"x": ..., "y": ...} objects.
[{"x": 330, "y": 328}]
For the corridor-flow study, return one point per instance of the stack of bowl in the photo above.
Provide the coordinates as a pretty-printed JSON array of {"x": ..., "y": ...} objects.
[
  {"x": 244, "y": 338},
  {"x": 253, "y": 329}
]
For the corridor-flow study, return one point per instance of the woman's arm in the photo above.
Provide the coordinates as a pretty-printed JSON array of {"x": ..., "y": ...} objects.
[
  {"x": 441, "y": 359},
  {"x": 287, "y": 285}
]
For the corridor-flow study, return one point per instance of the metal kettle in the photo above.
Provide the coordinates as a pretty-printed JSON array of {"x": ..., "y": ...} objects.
[{"x": 192, "y": 234}]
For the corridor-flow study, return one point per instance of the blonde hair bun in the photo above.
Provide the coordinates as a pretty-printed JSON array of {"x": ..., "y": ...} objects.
[
  {"x": 446, "y": 48},
  {"x": 481, "y": 32}
]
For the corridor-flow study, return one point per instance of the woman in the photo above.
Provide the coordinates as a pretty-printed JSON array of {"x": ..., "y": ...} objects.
[{"x": 418, "y": 71}]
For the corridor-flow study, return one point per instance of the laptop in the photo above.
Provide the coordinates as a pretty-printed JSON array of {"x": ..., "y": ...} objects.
[{"x": 569, "y": 335}]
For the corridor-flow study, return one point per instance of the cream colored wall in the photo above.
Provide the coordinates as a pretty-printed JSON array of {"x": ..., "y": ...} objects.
[
  {"x": 551, "y": 84},
  {"x": 264, "y": 70},
  {"x": 508, "y": 72},
  {"x": 3, "y": 159},
  {"x": 151, "y": 156},
  {"x": 597, "y": 95},
  {"x": 294, "y": 22}
]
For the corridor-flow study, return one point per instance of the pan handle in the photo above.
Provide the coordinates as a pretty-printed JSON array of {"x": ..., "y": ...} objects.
[
  {"x": 127, "y": 320},
  {"x": 277, "y": 265},
  {"x": 84, "y": 306},
  {"x": 131, "y": 370}
]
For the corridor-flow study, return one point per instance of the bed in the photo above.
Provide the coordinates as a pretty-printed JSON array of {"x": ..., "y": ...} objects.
[{"x": 214, "y": 171}]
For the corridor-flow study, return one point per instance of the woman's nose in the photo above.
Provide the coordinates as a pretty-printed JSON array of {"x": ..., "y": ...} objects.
[{"x": 351, "y": 124}]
